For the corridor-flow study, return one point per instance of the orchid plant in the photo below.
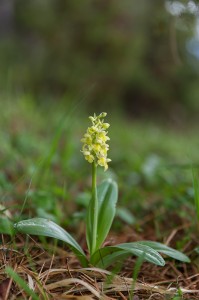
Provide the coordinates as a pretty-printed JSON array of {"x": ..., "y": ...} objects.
[{"x": 100, "y": 213}]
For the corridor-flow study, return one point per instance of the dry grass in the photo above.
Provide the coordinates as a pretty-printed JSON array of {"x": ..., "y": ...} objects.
[{"x": 54, "y": 273}]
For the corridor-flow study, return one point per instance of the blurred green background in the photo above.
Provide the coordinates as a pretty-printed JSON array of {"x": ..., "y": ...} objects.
[
  {"x": 139, "y": 57},
  {"x": 61, "y": 61}
]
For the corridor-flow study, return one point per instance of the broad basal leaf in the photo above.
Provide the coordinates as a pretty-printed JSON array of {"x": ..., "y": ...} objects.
[
  {"x": 108, "y": 255},
  {"x": 44, "y": 227},
  {"x": 112, "y": 256},
  {"x": 166, "y": 250}
]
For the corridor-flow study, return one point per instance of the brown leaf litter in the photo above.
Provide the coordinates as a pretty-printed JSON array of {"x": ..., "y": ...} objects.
[{"x": 54, "y": 273}]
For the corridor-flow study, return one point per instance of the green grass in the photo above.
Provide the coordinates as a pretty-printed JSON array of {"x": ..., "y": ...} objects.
[
  {"x": 196, "y": 192},
  {"x": 21, "y": 283}
]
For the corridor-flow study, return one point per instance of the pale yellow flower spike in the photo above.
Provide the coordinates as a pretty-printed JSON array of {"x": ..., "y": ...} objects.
[{"x": 94, "y": 141}]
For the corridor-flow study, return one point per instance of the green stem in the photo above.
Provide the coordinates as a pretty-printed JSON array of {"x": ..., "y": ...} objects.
[{"x": 95, "y": 207}]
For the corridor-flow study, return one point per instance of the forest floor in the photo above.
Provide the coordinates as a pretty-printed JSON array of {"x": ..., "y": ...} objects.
[{"x": 43, "y": 174}]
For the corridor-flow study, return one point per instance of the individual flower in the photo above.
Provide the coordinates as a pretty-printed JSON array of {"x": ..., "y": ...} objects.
[{"x": 94, "y": 141}]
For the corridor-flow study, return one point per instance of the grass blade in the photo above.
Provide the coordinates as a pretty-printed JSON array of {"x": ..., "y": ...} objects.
[
  {"x": 21, "y": 283},
  {"x": 196, "y": 191},
  {"x": 136, "y": 271}
]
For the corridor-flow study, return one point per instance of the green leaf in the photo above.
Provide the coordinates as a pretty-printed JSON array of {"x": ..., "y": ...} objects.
[
  {"x": 21, "y": 283},
  {"x": 6, "y": 226},
  {"x": 166, "y": 250},
  {"x": 196, "y": 250},
  {"x": 107, "y": 198},
  {"x": 108, "y": 255},
  {"x": 44, "y": 227},
  {"x": 125, "y": 215}
]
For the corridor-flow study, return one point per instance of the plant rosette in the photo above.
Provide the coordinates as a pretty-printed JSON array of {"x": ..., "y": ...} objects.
[{"x": 100, "y": 213}]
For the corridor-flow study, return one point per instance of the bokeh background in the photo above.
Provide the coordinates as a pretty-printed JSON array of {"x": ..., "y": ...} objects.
[{"x": 139, "y": 57}]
